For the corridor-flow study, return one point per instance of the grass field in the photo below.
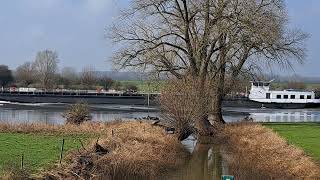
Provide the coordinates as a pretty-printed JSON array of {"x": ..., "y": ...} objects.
[
  {"x": 146, "y": 86},
  {"x": 40, "y": 150},
  {"x": 303, "y": 135}
]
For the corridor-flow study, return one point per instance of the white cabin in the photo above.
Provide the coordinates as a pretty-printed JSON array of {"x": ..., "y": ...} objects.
[{"x": 260, "y": 92}]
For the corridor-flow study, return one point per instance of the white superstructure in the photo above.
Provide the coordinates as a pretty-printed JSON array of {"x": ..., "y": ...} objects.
[{"x": 260, "y": 92}]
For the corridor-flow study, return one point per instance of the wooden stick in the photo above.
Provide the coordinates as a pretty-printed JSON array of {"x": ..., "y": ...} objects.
[
  {"x": 62, "y": 146},
  {"x": 22, "y": 158}
]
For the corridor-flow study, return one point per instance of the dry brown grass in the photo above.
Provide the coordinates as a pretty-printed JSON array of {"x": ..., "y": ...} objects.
[
  {"x": 256, "y": 151},
  {"x": 84, "y": 128},
  {"x": 136, "y": 150}
]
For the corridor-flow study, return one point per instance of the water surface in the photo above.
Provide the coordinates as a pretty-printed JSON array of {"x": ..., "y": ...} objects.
[{"x": 52, "y": 113}]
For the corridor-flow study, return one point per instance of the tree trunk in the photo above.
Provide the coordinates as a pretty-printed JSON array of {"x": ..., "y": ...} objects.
[
  {"x": 203, "y": 125},
  {"x": 219, "y": 90}
]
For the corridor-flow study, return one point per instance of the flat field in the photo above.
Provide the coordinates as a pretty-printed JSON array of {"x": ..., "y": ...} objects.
[
  {"x": 146, "y": 86},
  {"x": 39, "y": 150}
]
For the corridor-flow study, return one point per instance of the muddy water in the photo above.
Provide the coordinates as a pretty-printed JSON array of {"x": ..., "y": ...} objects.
[{"x": 206, "y": 163}]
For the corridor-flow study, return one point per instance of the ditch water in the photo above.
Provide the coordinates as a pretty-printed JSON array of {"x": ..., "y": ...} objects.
[{"x": 206, "y": 163}]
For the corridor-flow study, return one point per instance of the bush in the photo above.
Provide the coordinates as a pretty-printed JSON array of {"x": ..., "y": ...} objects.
[
  {"x": 77, "y": 114},
  {"x": 182, "y": 104}
]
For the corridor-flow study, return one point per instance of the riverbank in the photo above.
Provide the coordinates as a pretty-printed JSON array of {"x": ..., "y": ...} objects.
[
  {"x": 125, "y": 149},
  {"x": 253, "y": 150},
  {"x": 303, "y": 135}
]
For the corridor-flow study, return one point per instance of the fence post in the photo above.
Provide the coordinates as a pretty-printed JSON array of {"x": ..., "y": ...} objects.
[
  {"x": 61, "y": 152},
  {"x": 22, "y": 158}
]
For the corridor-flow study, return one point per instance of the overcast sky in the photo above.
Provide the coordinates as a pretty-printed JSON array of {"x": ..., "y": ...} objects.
[{"x": 76, "y": 30}]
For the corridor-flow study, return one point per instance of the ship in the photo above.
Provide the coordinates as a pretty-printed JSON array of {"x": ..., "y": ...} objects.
[
  {"x": 261, "y": 95},
  {"x": 75, "y": 96}
]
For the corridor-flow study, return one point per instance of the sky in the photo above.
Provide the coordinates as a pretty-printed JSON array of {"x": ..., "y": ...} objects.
[{"x": 76, "y": 29}]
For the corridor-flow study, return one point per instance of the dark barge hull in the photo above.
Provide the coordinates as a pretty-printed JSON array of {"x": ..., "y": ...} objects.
[{"x": 123, "y": 99}]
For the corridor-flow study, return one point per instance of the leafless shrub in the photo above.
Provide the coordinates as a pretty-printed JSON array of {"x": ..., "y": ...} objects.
[
  {"x": 182, "y": 104},
  {"x": 77, "y": 114}
]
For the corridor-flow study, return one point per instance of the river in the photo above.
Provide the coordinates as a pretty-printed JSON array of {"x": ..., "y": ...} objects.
[{"x": 52, "y": 113}]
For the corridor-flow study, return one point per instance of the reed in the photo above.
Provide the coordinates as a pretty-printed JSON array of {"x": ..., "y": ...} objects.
[{"x": 254, "y": 151}]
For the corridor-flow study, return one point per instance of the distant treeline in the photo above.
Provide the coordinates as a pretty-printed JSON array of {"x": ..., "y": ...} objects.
[{"x": 43, "y": 73}]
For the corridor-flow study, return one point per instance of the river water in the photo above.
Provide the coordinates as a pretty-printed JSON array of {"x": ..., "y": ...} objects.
[{"x": 52, "y": 113}]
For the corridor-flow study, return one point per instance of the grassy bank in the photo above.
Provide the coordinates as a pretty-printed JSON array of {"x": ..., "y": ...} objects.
[
  {"x": 40, "y": 144},
  {"x": 113, "y": 150},
  {"x": 303, "y": 135},
  {"x": 39, "y": 150},
  {"x": 131, "y": 150},
  {"x": 253, "y": 150}
]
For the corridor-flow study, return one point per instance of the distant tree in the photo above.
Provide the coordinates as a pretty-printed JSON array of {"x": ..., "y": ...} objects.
[
  {"x": 296, "y": 85},
  {"x": 69, "y": 76},
  {"x": 5, "y": 75},
  {"x": 131, "y": 87},
  {"x": 106, "y": 82},
  {"x": 25, "y": 74},
  {"x": 117, "y": 85},
  {"x": 88, "y": 77},
  {"x": 46, "y": 67}
]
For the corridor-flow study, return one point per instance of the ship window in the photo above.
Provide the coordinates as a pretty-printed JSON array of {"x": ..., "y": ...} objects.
[
  {"x": 285, "y": 96},
  {"x": 292, "y": 97},
  {"x": 301, "y": 96},
  {"x": 309, "y": 97},
  {"x": 255, "y": 84},
  {"x": 268, "y": 95},
  {"x": 278, "y": 96}
]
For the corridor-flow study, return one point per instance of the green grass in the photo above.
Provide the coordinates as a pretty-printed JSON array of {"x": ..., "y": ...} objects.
[
  {"x": 303, "y": 135},
  {"x": 40, "y": 150},
  {"x": 146, "y": 86}
]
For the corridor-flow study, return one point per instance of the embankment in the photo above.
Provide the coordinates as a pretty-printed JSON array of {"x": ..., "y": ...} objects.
[{"x": 254, "y": 151}]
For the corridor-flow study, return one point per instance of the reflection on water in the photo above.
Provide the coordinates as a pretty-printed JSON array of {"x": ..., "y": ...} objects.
[
  {"x": 48, "y": 116},
  {"x": 277, "y": 115},
  {"x": 52, "y": 114},
  {"x": 205, "y": 163},
  {"x": 287, "y": 116}
]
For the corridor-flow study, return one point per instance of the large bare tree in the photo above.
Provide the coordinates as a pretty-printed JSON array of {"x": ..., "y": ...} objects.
[
  {"x": 210, "y": 40},
  {"x": 46, "y": 67}
]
